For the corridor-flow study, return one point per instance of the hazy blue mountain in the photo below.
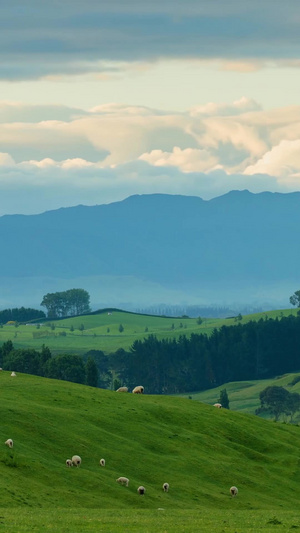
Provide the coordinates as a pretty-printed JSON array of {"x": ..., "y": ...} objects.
[{"x": 156, "y": 248}]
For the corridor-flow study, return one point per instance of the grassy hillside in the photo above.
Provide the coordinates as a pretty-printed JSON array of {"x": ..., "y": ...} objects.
[
  {"x": 201, "y": 451},
  {"x": 101, "y": 331},
  {"x": 244, "y": 395}
]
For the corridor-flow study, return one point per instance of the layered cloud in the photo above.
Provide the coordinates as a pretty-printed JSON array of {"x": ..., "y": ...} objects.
[
  {"x": 60, "y": 156},
  {"x": 38, "y": 39}
]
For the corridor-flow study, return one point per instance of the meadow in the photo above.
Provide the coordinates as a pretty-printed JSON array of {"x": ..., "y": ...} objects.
[
  {"x": 101, "y": 331},
  {"x": 199, "y": 450},
  {"x": 244, "y": 395}
]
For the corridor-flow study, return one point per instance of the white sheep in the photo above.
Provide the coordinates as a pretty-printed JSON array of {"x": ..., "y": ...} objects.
[
  {"x": 9, "y": 443},
  {"x": 141, "y": 490},
  {"x": 218, "y": 405},
  {"x": 233, "y": 491},
  {"x": 69, "y": 462},
  {"x": 138, "y": 390},
  {"x": 76, "y": 460},
  {"x": 123, "y": 481},
  {"x": 1, "y": 369},
  {"x": 102, "y": 462},
  {"x": 166, "y": 487},
  {"x": 122, "y": 389},
  {"x": 13, "y": 375}
]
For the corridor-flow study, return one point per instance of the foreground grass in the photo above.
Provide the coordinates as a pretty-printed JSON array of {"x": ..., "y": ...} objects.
[
  {"x": 201, "y": 451},
  {"x": 101, "y": 331},
  {"x": 155, "y": 521}
]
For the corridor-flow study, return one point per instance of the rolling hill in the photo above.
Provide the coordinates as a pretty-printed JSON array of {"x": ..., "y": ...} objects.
[
  {"x": 101, "y": 330},
  {"x": 199, "y": 450}
]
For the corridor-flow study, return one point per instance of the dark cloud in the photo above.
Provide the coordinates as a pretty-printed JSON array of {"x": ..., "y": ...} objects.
[{"x": 39, "y": 38}]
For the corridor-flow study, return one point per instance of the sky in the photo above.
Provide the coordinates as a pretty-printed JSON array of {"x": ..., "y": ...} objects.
[{"x": 100, "y": 100}]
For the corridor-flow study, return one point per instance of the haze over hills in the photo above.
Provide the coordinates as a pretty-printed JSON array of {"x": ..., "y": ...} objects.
[{"x": 238, "y": 248}]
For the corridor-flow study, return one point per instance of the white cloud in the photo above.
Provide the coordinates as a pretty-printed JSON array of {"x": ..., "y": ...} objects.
[
  {"x": 188, "y": 160},
  {"x": 282, "y": 161},
  {"x": 6, "y": 160},
  {"x": 114, "y": 151}
]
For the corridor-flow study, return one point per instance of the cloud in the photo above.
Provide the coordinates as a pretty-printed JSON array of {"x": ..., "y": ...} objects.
[
  {"x": 282, "y": 161},
  {"x": 188, "y": 160},
  {"x": 113, "y": 151},
  {"x": 74, "y": 38}
]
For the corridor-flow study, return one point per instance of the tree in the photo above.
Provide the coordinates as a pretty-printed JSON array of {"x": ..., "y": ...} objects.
[
  {"x": 293, "y": 403},
  {"x": 71, "y": 302},
  {"x": 275, "y": 399},
  {"x": 66, "y": 367},
  {"x": 121, "y": 328},
  {"x": 92, "y": 372},
  {"x": 223, "y": 400},
  {"x": 295, "y": 298}
]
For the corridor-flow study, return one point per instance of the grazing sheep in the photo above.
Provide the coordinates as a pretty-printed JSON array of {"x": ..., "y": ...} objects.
[
  {"x": 9, "y": 443},
  {"x": 122, "y": 389},
  {"x": 1, "y": 369},
  {"x": 69, "y": 462},
  {"x": 76, "y": 460},
  {"x": 102, "y": 462},
  {"x": 166, "y": 487},
  {"x": 218, "y": 405},
  {"x": 13, "y": 375},
  {"x": 141, "y": 490},
  {"x": 138, "y": 390},
  {"x": 123, "y": 481},
  {"x": 233, "y": 491}
]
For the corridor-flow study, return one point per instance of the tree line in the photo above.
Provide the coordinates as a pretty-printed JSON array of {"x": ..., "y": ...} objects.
[
  {"x": 68, "y": 367},
  {"x": 256, "y": 350},
  {"x": 21, "y": 314}
]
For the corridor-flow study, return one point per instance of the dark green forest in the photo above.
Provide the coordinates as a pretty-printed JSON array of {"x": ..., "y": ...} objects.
[
  {"x": 255, "y": 350},
  {"x": 21, "y": 314}
]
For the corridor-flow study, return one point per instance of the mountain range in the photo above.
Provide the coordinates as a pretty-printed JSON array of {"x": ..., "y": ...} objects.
[{"x": 236, "y": 248}]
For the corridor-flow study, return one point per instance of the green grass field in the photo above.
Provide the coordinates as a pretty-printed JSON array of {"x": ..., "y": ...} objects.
[
  {"x": 244, "y": 395},
  {"x": 101, "y": 331},
  {"x": 199, "y": 450}
]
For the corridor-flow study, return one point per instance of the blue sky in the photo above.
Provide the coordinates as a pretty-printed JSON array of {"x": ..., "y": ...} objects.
[{"x": 100, "y": 100}]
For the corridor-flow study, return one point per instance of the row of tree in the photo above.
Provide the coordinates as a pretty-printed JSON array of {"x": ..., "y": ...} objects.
[
  {"x": 256, "y": 350},
  {"x": 68, "y": 367},
  {"x": 21, "y": 314},
  {"x": 67, "y": 303}
]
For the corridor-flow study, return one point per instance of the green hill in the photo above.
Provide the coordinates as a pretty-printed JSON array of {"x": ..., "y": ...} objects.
[
  {"x": 100, "y": 331},
  {"x": 199, "y": 450},
  {"x": 244, "y": 395}
]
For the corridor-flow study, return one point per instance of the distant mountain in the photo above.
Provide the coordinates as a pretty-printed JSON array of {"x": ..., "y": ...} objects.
[{"x": 240, "y": 247}]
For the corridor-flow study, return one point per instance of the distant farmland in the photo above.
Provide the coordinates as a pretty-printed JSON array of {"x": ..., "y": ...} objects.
[{"x": 101, "y": 330}]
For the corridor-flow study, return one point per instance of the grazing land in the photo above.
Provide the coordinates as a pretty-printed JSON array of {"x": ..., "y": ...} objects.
[
  {"x": 244, "y": 395},
  {"x": 100, "y": 331},
  {"x": 199, "y": 450}
]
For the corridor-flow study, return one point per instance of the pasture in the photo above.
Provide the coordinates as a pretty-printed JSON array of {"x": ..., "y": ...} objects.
[
  {"x": 244, "y": 395},
  {"x": 199, "y": 450},
  {"x": 101, "y": 331}
]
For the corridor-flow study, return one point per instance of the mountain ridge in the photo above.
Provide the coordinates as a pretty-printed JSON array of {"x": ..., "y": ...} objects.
[{"x": 180, "y": 243}]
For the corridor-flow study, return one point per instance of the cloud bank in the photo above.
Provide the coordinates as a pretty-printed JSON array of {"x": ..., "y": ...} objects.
[
  {"x": 39, "y": 39},
  {"x": 53, "y": 156}
]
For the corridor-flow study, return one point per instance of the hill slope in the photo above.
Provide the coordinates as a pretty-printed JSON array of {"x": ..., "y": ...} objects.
[
  {"x": 201, "y": 451},
  {"x": 156, "y": 248}
]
